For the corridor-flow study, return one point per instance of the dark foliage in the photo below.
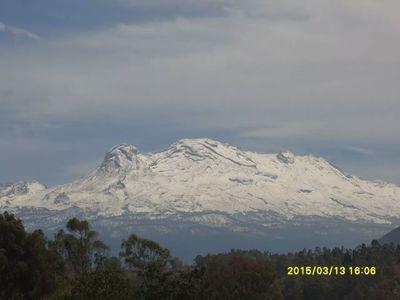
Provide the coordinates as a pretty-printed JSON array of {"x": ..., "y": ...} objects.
[
  {"x": 80, "y": 247},
  {"x": 28, "y": 267},
  {"x": 76, "y": 266},
  {"x": 108, "y": 281},
  {"x": 239, "y": 277}
]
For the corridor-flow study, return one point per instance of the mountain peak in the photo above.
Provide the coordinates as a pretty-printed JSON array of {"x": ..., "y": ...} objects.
[
  {"x": 199, "y": 142},
  {"x": 286, "y": 157},
  {"x": 197, "y": 146},
  {"x": 124, "y": 147},
  {"x": 207, "y": 149},
  {"x": 120, "y": 157},
  {"x": 198, "y": 175}
]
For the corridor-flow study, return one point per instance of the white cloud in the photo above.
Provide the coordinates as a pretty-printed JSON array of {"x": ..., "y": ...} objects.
[
  {"x": 360, "y": 150},
  {"x": 18, "y": 33}
]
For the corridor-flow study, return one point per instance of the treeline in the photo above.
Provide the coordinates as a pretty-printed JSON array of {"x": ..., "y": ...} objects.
[{"x": 76, "y": 264}]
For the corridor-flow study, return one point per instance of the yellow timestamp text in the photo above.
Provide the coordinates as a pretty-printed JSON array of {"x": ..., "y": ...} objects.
[{"x": 331, "y": 270}]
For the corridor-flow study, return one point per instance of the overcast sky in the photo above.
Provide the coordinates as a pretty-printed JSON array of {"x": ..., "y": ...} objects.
[{"x": 316, "y": 77}]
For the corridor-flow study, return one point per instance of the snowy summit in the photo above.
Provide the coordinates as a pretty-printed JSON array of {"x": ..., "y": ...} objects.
[{"x": 203, "y": 175}]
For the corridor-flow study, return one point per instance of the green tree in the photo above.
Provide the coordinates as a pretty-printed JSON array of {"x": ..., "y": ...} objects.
[
  {"x": 80, "y": 247},
  {"x": 109, "y": 281},
  {"x": 28, "y": 268},
  {"x": 238, "y": 277},
  {"x": 149, "y": 261}
]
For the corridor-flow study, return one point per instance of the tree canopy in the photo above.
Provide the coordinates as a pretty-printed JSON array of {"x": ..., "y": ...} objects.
[{"x": 76, "y": 264}]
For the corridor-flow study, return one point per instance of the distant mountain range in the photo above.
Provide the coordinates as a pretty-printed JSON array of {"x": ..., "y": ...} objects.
[{"x": 204, "y": 195}]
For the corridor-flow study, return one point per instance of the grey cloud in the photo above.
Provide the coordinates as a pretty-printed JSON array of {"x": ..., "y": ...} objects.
[
  {"x": 214, "y": 67},
  {"x": 262, "y": 71}
]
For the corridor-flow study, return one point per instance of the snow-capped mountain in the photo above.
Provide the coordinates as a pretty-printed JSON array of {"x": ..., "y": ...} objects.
[{"x": 208, "y": 183}]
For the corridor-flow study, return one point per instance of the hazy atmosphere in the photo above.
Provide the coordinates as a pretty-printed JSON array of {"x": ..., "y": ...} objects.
[{"x": 317, "y": 77}]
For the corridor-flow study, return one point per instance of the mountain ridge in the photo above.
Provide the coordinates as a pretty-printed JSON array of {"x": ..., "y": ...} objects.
[
  {"x": 194, "y": 175},
  {"x": 204, "y": 196}
]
